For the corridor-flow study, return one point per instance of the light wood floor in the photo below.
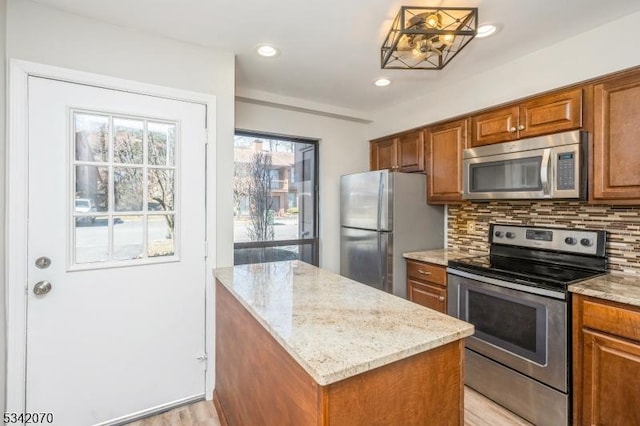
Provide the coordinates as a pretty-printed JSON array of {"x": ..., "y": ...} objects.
[{"x": 478, "y": 411}]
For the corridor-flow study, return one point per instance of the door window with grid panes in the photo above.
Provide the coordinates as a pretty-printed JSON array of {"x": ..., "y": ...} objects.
[{"x": 123, "y": 186}]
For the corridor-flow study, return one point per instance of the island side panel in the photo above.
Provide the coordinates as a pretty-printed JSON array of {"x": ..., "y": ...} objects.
[
  {"x": 257, "y": 381},
  {"x": 425, "y": 389}
]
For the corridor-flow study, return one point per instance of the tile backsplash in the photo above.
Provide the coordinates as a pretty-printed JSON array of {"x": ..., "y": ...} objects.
[{"x": 622, "y": 224}]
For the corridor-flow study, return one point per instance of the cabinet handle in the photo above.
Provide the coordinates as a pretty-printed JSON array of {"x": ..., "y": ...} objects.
[
  {"x": 521, "y": 127},
  {"x": 512, "y": 129},
  {"x": 420, "y": 271},
  {"x": 441, "y": 298}
]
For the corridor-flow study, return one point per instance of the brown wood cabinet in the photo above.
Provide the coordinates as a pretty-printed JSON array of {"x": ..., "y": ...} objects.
[
  {"x": 404, "y": 153},
  {"x": 444, "y": 145},
  {"x": 546, "y": 114},
  {"x": 427, "y": 285},
  {"x": 259, "y": 382},
  {"x": 411, "y": 151},
  {"x": 606, "y": 353},
  {"x": 383, "y": 154},
  {"x": 616, "y": 136}
]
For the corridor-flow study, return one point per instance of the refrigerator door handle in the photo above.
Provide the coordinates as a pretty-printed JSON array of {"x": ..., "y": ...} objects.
[
  {"x": 383, "y": 247},
  {"x": 381, "y": 265},
  {"x": 380, "y": 192}
]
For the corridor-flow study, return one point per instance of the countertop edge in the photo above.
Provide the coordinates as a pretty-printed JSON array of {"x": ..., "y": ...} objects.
[
  {"x": 620, "y": 288},
  {"x": 381, "y": 362},
  {"x": 441, "y": 256},
  {"x": 324, "y": 380}
]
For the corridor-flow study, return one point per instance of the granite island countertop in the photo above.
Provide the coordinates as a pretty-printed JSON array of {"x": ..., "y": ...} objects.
[
  {"x": 621, "y": 288},
  {"x": 332, "y": 326},
  {"x": 439, "y": 256}
]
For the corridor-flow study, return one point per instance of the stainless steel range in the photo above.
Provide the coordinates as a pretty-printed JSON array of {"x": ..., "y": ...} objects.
[{"x": 517, "y": 299}]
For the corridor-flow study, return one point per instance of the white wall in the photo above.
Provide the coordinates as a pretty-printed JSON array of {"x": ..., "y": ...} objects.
[
  {"x": 3, "y": 33},
  {"x": 342, "y": 148},
  {"x": 40, "y": 34},
  {"x": 603, "y": 50}
]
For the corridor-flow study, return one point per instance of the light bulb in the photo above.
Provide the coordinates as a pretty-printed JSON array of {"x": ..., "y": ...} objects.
[
  {"x": 432, "y": 21},
  {"x": 421, "y": 47},
  {"x": 486, "y": 30},
  {"x": 447, "y": 39},
  {"x": 267, "y": 50}
]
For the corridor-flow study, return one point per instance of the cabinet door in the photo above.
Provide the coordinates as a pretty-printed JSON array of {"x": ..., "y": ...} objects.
[
  {"x": 611, "y": 380},
  {"x": 444, "y": 146},
  {"x": 499, "y": 125},
  {"x": 550, "y": 114},
  {"x": 427, "y": 294},
  {"x": 383, "y": 154},
  {"x": 616, "y": 151},
  {"x": 411, "y": 151}
]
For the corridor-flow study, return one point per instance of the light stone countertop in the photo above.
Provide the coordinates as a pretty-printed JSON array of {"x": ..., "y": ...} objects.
[
  {"x": 622, "y": 288},
  {"x": 439, "y": 256},
  {"x": 332, "y": 326}
]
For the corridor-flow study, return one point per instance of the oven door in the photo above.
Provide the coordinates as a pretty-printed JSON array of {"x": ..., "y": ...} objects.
[
  {"x": 513, "y": 175},
  {"x": 526, "y": 332}
]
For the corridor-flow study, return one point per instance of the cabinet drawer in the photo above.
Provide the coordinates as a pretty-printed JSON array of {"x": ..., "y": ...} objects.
[
  {"x": 429, "y": 295},
  {"x": 427, "y": 272},
  {"x": 611, "y": 318}
]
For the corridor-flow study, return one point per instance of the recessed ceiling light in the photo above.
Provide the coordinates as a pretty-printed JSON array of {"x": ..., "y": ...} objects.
[
  {"x": 486, "y": 30},
  {"x": 267, "y": 50},
  {"x": 381, "y": 82}
]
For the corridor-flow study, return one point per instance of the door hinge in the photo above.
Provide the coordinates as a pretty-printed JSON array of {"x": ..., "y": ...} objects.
[
  {"x": 206, "y": 249},
  {"x": 206, "y": 135}
]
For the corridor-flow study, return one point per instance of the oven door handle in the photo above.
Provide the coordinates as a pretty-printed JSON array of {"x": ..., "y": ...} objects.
[
  {"x": 545, "y": 169},
  {"x": 508, "y": 284}
]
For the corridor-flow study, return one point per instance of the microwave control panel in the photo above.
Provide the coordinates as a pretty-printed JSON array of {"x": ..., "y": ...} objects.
[{"x": 566, "y": 171}]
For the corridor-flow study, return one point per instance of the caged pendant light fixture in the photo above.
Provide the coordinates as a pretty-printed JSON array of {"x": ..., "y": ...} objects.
[{"x": 427, "y": 37}]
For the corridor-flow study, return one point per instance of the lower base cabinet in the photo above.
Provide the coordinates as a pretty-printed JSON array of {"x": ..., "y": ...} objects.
[
  {"x": 606, "y": 362},
  {"x": 258, "y": 382},
  {"x": 427, "y": 285}
]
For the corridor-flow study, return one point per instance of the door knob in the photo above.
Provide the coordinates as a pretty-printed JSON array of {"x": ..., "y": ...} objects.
[{"x": 41, "y": 288}]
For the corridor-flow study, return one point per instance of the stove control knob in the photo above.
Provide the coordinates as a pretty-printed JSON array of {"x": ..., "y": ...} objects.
[
  {"x": 586, "y": 242},
  {"x": 499, "y": 234},
  {"x": 570, "y": 240},
  {"x": 510, "y": 235}
]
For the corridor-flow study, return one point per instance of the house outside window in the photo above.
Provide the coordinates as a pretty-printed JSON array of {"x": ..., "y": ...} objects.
[{"x": 275, "y": 214}]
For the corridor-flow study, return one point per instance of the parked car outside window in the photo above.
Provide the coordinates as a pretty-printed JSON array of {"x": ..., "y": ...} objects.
[{"x": 85, "y": 205}]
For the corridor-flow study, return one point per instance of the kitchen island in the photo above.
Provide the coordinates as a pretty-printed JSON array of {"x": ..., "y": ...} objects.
[{"x": 299, "y": 345}]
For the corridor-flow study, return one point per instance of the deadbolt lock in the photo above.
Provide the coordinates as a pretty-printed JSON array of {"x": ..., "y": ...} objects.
[{"x": 43, "y": 262}]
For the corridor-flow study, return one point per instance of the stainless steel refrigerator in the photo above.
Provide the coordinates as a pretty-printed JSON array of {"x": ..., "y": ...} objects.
[{"x": 382, "y": 215}]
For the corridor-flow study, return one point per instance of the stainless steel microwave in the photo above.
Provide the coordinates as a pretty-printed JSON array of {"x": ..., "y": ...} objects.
[{"x": 545, "y": 167}]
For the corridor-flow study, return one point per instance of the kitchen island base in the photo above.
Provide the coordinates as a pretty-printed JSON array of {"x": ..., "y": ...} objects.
[{"x": 259, "y": 382}]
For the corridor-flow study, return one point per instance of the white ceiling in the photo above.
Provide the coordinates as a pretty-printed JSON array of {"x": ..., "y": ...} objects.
[{"x": 330, "y": 49}]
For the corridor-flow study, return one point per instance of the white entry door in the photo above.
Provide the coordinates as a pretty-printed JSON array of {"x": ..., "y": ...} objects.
[{"x": 116, "y": 250}]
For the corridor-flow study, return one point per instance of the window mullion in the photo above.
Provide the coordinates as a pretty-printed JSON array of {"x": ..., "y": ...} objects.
[
  {"x": 145, "y": 190},
  {"x": 110, "y": 192}
]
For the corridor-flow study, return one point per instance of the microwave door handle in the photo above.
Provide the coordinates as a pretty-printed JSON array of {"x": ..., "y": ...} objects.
[{"x": 544, "y": 172}]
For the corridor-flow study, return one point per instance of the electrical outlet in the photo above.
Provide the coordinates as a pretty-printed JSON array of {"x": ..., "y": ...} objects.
[{"x": 471, "y": 226}]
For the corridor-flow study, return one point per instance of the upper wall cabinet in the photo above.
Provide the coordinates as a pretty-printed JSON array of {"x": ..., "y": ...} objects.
[
  {"x": 616, "y": 140},
  {"x": 404, "y": 153},
  {"x": 444, "y": 146},
  {"x": 383, "y": 154},
  {"x": 411, "y": 151},
  {"x": 546, "y": 114}
]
